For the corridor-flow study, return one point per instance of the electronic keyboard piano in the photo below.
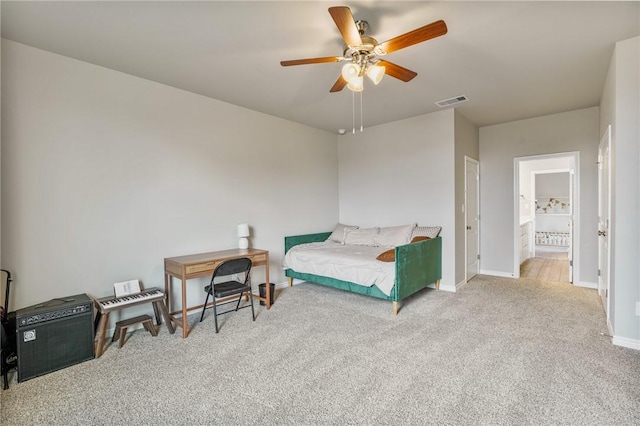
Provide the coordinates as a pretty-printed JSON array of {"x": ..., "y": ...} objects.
[
  {"x": 106, "y": 305},
  {"x": 113, "y": 303}
]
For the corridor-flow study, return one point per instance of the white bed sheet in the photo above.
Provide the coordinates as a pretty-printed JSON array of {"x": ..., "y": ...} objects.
[{"x": 353, "y": 263}]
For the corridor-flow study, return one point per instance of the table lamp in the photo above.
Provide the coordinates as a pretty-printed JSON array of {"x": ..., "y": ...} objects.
[{"x": 243, "y": 234}]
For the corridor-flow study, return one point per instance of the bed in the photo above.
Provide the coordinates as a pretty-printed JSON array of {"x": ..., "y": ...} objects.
[{"x": 362, "y": 261}]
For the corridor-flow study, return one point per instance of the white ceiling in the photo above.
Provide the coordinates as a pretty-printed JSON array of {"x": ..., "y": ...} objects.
[{"x": 513, "y": 60}]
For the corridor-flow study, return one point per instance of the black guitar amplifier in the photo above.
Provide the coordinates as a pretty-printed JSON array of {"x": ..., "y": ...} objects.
[{"x": 54, "y": 335}]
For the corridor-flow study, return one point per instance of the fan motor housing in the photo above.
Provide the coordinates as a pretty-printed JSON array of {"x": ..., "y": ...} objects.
[{"x": 366, "y": 48}]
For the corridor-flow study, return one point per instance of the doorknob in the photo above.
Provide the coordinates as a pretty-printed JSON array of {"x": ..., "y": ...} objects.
[
  {"x": 602, "y": 233},
  {"x": 468, "y": 227}
]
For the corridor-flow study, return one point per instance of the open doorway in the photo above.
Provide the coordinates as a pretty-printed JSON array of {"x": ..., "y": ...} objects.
[
  {"x": 546, "y": 217},
  {"x": 551, "y": 227}
]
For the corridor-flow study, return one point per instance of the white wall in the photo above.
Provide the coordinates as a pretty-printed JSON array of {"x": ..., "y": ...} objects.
[
  {"x": 105, "y": 174},
  {"x": 399, "y": 173},
  {"x": 499, "y": 145},
  {"x": 527, "y": 168},
  {"x": 620, "y": 107},
  {"x": 552, "y": 184}
]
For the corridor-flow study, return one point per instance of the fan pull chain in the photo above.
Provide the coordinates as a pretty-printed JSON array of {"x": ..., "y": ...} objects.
[
  {"x": 361, "y": 124},
  {"x": 353, "y": 111}
]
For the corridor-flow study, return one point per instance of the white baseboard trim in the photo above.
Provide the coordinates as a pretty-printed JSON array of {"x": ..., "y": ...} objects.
[
  {"x": 463, "y": 282},
  {"x": 449, "y": 287},
  {"x": 586, "y": 284},
  {"x": 626, "y": 342},
  {"x": 496, "y": 273}
]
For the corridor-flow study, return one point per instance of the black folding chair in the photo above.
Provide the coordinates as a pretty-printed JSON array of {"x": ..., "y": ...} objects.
[{"x": 229, "y": 288}]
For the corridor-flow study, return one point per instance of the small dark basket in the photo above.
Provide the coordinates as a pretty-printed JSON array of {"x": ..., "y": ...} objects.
[{"x": 263, "y": 293}]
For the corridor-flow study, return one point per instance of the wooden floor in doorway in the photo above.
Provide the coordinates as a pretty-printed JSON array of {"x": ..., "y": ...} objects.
[{"x": 546, "y": 266}]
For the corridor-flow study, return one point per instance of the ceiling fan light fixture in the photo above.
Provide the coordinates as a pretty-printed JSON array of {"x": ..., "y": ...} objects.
[
  {"x": 356, "y": 84},
  {"x": 351, "y": 72},
  {"x": 375, "y": 73},
  {"x": 361, "y": 51}
]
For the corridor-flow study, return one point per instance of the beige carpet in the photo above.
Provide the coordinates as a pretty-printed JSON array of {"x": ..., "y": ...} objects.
[{"x": 499, "y": 351}]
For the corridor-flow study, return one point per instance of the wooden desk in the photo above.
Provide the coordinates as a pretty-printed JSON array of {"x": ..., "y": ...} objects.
[{"x": 202, "y": 265}]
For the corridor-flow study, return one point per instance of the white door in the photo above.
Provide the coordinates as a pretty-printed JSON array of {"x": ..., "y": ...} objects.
[
  {"x": 471, "y": 192},
  {"x": 604, "y": 211}
]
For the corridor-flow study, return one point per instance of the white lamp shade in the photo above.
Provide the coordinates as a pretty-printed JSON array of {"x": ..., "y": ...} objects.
[
  {"x": 375, "y": 73},
  {"x": 356, "y": 85},
  {"x": 350, "y": 72},
  {"x": 243, "y": 230}
]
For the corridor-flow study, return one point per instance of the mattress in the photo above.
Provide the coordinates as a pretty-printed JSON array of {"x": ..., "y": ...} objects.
[{"x": 353, "y": 263}]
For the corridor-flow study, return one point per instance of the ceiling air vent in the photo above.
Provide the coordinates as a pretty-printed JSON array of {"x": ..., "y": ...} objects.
[{"x": 452, "y": 101}]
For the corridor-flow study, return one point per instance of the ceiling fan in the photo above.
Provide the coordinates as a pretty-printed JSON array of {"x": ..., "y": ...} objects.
[{"x": 363, "y": 52}]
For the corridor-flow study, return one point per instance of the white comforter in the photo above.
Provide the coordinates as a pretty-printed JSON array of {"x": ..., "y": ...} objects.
[{"x": 352, "y": 263}]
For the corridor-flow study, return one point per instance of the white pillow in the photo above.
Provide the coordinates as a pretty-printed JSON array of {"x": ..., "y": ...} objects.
[
  {"x": 392, "y": 236},
  {"x": 338, "y": 233},
  {"x": 426, "y": 231},
  {"x": 361, "y": 237}
]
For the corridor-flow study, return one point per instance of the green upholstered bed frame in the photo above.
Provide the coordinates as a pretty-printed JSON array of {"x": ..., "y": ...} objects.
[{"x": 417, "y": 265}]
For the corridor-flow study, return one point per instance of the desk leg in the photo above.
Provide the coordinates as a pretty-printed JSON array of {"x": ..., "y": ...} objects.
[
  {"x": 185, "y": 325},
  {"x": 268, "y": 285},
  {"x": 102, "y": 334}
]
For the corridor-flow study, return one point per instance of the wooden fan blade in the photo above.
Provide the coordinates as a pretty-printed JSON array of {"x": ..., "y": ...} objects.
[
  {"x": 338, "y": 85},
  {"x": 310, "y": 61},
  {"x": 433, "y": 30},
  {"x": 346, "y": 24},
  {"x": 397, "y": 71}
]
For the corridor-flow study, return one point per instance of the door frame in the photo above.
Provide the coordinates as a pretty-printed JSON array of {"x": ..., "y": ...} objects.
[
  {"x": 575, "y": 157},
  {"x": 477, "y": 203},
  {"x": 604, "y": 287}
]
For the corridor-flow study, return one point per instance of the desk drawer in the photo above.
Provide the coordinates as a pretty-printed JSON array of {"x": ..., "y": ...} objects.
[
  {"x": 197, "y": 268},
  {"x": 259, "y": 258},
  {"x": 201, "y": 267}
]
